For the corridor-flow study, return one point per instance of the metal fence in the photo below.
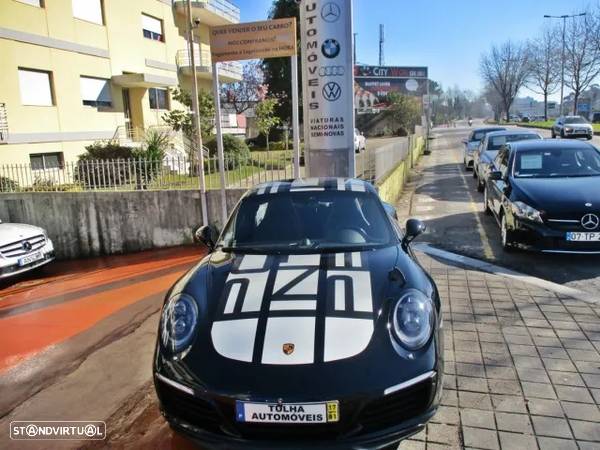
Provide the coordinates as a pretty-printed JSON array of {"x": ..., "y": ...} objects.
[{"x": 141, "y": 174}]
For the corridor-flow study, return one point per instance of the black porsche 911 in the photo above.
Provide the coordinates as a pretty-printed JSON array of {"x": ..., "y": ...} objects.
[
  {"x": 309, "y": 323},
  {"x": 545, "y": 196}
]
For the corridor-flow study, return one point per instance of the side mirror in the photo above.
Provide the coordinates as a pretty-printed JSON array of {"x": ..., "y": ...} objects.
[
  {"x": 495, "y": 175},
  {"x": 206, "y": 235},
  {"x": 390, "y": 210},
  {"x": 414, "y": 228}
]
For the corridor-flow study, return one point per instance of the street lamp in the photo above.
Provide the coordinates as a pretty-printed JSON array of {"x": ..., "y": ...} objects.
[{"x": 562, "y": 79}]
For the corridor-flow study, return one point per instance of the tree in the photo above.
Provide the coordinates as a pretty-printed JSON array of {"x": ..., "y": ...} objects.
[
  {"x": 582, "y": 56},
  {"x": 243, "y": 95},
  {"x": 181, "y": 120},
  {"x": 404, "y": 111},
  {"x": 494, "y": 100},
  {"x": 277, "y": 71},
  {"x": 266, "y": 118},
  {"x": 506, "y": 69},
  {"x": 544, "y": 67}
]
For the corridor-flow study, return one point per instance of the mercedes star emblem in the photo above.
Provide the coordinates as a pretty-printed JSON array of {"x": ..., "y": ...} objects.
[
  {"x": 330, "y": 48},
  {"x": 26, "y": 246},
  {"x": 332, "y": 91},
  {"x": 590, "y": 221},
  {"x": 330, "y": 12}
]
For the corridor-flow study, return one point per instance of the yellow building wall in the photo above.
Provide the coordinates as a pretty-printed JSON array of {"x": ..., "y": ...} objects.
[{"x": 121, "y": 36}]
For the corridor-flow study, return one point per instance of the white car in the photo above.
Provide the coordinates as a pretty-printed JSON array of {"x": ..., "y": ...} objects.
[
  {"x": 22, "y": 248},
  {"x": 360, "y": 142}
]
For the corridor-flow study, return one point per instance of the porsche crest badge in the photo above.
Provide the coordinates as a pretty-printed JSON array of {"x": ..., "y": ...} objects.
[{"x": 288, "y": 348}]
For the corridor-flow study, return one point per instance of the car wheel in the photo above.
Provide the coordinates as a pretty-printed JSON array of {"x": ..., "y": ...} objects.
[
  {"x": 589, "y": 138},
  {"x": 553, "y": 134},
  {"x": 562, "y": 134},
  {"x": 486, "y": 202},
  {"x": 480, "y": 185},
  {"x": 507, "y": 238},
  {"x": 474, "y": 172}
]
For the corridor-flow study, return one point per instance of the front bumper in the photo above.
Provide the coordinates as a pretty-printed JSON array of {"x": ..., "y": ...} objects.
[
  {"x": 578, "y": 133},
  {"x": 367, "y": 421},
  {"x": 10, "y": 266},
  {"x": 543, "y": 238}
]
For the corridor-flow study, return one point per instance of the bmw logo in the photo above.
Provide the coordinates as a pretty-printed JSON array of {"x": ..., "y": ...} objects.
[{"x": 330, "y": 48}]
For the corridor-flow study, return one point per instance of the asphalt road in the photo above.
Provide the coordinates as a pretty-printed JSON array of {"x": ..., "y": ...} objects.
[{"x": 444, "y": 195}]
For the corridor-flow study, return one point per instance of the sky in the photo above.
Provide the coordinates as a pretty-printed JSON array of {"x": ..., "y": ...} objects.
[{"x": 448, "y": 36}]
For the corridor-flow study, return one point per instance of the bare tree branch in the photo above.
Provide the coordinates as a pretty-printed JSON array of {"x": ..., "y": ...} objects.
[{"x": 544, "y": 67}]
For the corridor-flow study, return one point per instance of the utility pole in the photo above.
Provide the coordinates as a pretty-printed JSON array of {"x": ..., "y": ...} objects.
[
  {"x": 354, "y": 49},
  {"x": 196, "y": 115},
  {"x": 564, "y": 28},
  {"x": 381, "y": 41}
]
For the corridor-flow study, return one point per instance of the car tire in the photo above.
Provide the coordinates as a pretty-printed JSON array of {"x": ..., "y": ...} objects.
[
  {"x": 562, "y": 134},
  {"x": 486, "y": 202},
  {"x": 506, "y": 235},
  {"x": 480, "y": 185},
  {"x": 474, "y": 172},
  {"x": 589, "y": 138},
  {"x": 553, "y": 134}
]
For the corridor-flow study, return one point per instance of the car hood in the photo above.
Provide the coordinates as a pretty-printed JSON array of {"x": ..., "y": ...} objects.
[
  {"x": 12, "y": 232},
  {"x": 578, "y": 125},
  {"x": 559, "y": 196},
  {"x": 289, "y": 317},
  {"x": 472, "y": 145}
]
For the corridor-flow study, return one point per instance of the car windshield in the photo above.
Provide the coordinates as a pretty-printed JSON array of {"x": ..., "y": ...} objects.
[
  {"x": 495, "y": 142},
  {"x": 297, "y": 222},
  {"x": 573, "y": 120},
  {"x": 557, "y": 163}
]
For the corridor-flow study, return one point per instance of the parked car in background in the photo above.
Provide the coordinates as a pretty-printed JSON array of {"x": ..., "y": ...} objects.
[
  {"x": 572, "y": 127},
  {"x": 544, "y": 195},
  {"x": 23, "y": 248},
  {"x": 309, "y": 324},
  {"x": 596, "y": 117},
  {"x": 473, "y": 141},
  {"x": 360, "y": 142},
  {"x": 488, "y": 149}
]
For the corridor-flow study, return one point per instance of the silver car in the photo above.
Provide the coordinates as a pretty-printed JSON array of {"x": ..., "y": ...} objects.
[
  {"x": 473, "y": 141},
  {"x": 572, "y": 127}
]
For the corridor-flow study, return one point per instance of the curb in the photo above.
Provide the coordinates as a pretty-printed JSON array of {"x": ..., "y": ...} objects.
[{"x": 563, "y": 291}]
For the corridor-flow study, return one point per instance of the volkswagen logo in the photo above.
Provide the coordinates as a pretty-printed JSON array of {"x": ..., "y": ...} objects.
[
  {"x": 590, "y": 221},
  {"x": 26, "y": 245},
  {"x": 332, "y": 91},
  {"x": 331, "y": 71},
  {"x": 331, "y": 12},
  {"x": 330, "y": 48}
]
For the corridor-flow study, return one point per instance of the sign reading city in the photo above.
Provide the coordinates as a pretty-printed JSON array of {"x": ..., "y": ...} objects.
[
  {"x": 373, "y": 84},
  {"x": 253, "y": 40},
  {"x": 328, "y": 80}
]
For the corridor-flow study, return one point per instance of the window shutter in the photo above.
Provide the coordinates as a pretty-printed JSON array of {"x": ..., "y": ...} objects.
[
  {"x": 35, "y": 87},
  {"x": 151, "y": 24},
  {"x": 90, "y": 10},
  {"x": 95, "y": 89}
]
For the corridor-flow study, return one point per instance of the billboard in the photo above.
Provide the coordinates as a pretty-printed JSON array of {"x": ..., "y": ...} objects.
[{"x": 373, "y": 84}]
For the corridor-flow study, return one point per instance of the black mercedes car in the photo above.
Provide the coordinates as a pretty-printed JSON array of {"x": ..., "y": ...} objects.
[
  {"x": 545, "y": 196},
  {"x": 309, "y": 323}
]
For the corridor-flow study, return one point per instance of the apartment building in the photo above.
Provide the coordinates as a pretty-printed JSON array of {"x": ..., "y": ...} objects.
[{"x": 78, "y": 71}]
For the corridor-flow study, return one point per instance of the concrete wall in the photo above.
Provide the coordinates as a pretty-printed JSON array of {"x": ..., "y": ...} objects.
[{"x": 103, "y": 223}]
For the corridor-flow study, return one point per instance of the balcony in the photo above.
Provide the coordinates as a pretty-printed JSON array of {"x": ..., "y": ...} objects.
[
  {"x": 229, "y": 71},
  {"x": 210, "y": 12},
  {"x": 3, "y": 124}
]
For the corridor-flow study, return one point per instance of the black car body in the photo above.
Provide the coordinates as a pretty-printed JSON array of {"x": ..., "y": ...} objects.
[
  {"x": 545, "y": 196},
  {"x": 308, "y": 324},
  {"x": 489, "y": 147},
  {"x": 473, "y": 141}
]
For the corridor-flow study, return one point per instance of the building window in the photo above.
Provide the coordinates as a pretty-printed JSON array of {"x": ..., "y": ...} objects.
[
  {"x": 153, "y": 28},
  {"x": 44, "y": 161},
  {"x": 159, "y": 98},
  {"x": 89, "y": 10},
  {"x": 95, "y": 91},
  {"x": 38, "y": 3},
  {"x": 36, "y": 87}
]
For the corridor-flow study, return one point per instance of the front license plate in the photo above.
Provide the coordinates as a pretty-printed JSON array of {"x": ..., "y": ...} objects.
[
  {"x": 30, "y": 258},
  {"x": 324, "y": 412},
  {"x": 583, "y": 237}
]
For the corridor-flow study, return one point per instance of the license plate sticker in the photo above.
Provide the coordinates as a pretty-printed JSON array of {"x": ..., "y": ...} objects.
[
  {"x": 583, "y": 237},
  {"x": 303, "y": 413},
  {"x": 30, "y": 258}
]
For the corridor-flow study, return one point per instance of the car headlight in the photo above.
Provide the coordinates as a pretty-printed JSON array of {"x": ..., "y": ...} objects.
[
  {"x": 568, "y": 129},
  {"x": 413, "y": 319},
  {"x": 524, "y": 211},
  {"x": 180, "y": 317}
]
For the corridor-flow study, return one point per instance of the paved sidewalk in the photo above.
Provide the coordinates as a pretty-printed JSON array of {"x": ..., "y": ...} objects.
[{"x": 522, "y": 366}]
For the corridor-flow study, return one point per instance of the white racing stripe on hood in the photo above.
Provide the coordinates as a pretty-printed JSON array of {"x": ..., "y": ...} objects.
[
  {"x": 234, "y": 339},
  {"x": 339, "y": 343},
  {"x": 299, "y": 331}
]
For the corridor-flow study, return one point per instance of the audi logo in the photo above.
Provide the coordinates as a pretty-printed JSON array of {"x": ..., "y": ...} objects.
[
  {"x": 332, "y": 91},
  {"x": 590, "y": 221},
  {"x": 331, "y": 71}
]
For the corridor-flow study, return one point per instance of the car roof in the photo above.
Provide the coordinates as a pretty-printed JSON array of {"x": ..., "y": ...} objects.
[
  {"x": 490, "y": 129},
  {"x": 549, "y": 144},
  {"x": 312, "y": 184},
  {"x": 511, "y": 132}
]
